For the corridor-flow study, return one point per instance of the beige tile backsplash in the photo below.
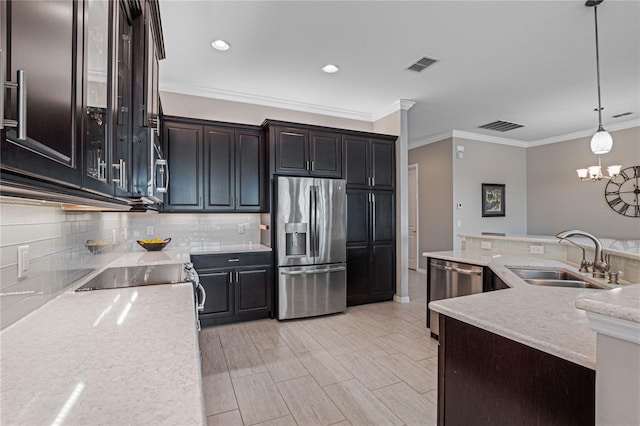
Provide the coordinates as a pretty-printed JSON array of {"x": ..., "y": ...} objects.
[{"x": 58, "y": 256}]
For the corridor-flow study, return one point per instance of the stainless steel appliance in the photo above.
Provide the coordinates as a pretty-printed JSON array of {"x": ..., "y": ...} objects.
[
  {"x": 135, "y": 276},
  {"x": 450, "y": 279},
  {"x": 151, "y": 170},
  {"x": 311, "y": 246}
]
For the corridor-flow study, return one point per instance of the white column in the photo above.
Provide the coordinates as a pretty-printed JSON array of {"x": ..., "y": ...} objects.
[{"x": 402, "y": 205}]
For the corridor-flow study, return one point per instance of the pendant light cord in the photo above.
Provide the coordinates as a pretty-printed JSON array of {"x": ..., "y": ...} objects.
[{"x": 595, "y": 14}]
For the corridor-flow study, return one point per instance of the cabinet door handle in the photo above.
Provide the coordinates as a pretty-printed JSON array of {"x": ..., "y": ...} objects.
[
  {"x": 122, "y": 181},
  {"x": 21, "y": 85},
  {"x": 237, "y": 277},
  {"x": 312, "y": 168},
  {"x": 202, "y": 297},
  {"x": 161, "y": 175},
  {"x": 233, "y": 259},
  {"x": 373, "y": 181}
]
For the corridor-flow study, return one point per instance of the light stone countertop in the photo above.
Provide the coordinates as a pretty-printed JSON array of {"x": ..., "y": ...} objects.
[
  {"x": 544, "y": 318},
  {"x": 112, "y": 357},
  {"x": 622, "y": 303}
]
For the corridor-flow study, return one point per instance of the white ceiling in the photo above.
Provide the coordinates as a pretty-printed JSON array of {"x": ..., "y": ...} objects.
[{"x": 527, "y": 62}]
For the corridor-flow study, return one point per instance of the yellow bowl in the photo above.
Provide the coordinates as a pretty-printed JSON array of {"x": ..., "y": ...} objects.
[{"x": 154, "y": 246}]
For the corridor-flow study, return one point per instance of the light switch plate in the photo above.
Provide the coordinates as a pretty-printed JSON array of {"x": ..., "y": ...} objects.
[
  {"x": 485, "y": 245},
  {"x": 150, "y": 230},
  {"x": 23, "y": 261},
  {"x": 241, "y": 228}
]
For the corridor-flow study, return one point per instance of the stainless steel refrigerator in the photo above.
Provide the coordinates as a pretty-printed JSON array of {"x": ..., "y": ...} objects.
[{"x": 311, "y": 246}]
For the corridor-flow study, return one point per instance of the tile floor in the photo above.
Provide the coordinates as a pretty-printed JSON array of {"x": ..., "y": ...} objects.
[{"x": 372, "y": 365}]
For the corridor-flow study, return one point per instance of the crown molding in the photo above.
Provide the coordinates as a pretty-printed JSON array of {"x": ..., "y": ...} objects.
[
  {"x": 431, "y": 139},
  {"x": 399, "y": 105},
  {"x": 518, "y": 143},
  {"x": 246, "y": 98},
  {"x": 487, "y": 138},
  {"x": 584, "y": 133}
]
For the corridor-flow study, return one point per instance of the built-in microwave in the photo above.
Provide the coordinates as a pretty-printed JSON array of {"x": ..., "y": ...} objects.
[{"x": 151, "y": 169}]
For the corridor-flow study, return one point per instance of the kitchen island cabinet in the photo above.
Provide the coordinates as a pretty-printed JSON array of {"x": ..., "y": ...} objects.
[{"x": 486, "y": 379}]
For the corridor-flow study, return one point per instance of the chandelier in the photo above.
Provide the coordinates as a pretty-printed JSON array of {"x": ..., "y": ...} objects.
[{"x": 601, "y": 142}]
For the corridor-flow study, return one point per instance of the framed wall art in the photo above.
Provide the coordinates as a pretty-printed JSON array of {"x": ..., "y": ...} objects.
[{"x": 493, "y": 199}]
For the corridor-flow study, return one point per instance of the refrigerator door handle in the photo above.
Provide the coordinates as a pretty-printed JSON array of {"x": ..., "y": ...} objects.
[
  {"x": 312, "y": 228},
  {"x": 316, "y": 230},
  {"x": 317, "y": 271}
]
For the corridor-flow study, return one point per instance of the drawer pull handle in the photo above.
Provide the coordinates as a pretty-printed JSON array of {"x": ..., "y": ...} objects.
[{"x": 235, "y": 259}]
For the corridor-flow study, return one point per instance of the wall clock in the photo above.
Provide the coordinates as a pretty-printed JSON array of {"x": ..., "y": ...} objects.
[{"x": 623, "y": 192}]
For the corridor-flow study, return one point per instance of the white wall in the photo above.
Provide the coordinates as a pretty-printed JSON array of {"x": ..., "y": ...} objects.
[
  {"x": 485, "y": 162},
  {"x": 435, "y": 197},
  {"x": 57, "y": 245}
]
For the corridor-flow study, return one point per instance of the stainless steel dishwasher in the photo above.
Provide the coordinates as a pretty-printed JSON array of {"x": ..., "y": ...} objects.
[{"x": 450, "y": 279}]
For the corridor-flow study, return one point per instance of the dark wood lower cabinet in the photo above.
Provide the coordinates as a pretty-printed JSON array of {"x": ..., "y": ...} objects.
[
  {"x": 238, "y": 286},
  {"x": 371, "y": 260},
  {"x": 486, "y": 379}
]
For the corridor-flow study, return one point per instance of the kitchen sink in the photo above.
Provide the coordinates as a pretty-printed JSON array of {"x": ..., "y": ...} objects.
[
  {"x": 561, "y": 283},
  {"x": 553, "y": 278}
]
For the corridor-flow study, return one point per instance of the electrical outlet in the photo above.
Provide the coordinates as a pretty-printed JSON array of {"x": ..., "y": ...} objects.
[
  {"x": 150, "y": 230},
  {"x": 23, "y": 261},
  {"x": 241, "y": 228},
  {"x": 536, "y": 249},
  {"x": 486, "y": 245}
]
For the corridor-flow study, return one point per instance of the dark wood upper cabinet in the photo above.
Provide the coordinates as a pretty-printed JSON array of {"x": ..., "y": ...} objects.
[
  {"x": 224, "y": 171},
  {"x": 219, "y": 148},
  {"x": 250, "y": 170},
  {"x": 356, "y": 161},
  {"x": 299, "y": 151},
  {"x": 369, "y": 162},
  {"x": 325, "y": 153},
  {"x": 148, "y": 51},
  {"x": 184, "y": 150},
  {"x": 383, "y": 164},
  {"x": 291, "y": 151},
  {"x": 85, "y": 74},
  {"x": 44, "y": 38}
]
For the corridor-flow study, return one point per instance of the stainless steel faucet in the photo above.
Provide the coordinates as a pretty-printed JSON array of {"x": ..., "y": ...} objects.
[{"x": 599, "y": 265}]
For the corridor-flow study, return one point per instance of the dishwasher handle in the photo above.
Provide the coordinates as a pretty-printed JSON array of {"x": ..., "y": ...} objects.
[{"x": 458, "y": 270}]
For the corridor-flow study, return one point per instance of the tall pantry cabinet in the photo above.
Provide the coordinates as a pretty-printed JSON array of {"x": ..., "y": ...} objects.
[{"x": 369, "y": 171}]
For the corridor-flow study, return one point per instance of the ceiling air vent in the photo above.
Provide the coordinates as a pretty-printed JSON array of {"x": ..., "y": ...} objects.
[
  {"x": 422, "y": 64},
  {"x": 500, "y": 126},
  {"x": 621, "y": 115}
]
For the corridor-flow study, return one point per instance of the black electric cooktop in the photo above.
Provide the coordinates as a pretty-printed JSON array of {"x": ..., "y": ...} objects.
[{"x": 133, "y": 276}]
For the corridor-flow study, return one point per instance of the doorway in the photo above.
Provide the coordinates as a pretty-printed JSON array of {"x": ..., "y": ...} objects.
[{"x": 412, "y": 188}]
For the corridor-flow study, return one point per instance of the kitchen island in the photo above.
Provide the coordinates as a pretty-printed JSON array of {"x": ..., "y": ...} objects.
[{"x": 522, "y": 353}]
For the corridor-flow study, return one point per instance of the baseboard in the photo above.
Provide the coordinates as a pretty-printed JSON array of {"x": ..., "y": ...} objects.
[{"x": 399, "y": 299}]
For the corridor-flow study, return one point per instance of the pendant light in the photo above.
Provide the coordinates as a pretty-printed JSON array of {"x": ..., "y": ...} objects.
[{"x": 601, "y": 142}]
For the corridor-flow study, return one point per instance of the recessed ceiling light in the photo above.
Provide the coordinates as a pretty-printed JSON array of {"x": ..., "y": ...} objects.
[
  {"x": 220, "y": 45},
  {"x": 330, "y": 68}
]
